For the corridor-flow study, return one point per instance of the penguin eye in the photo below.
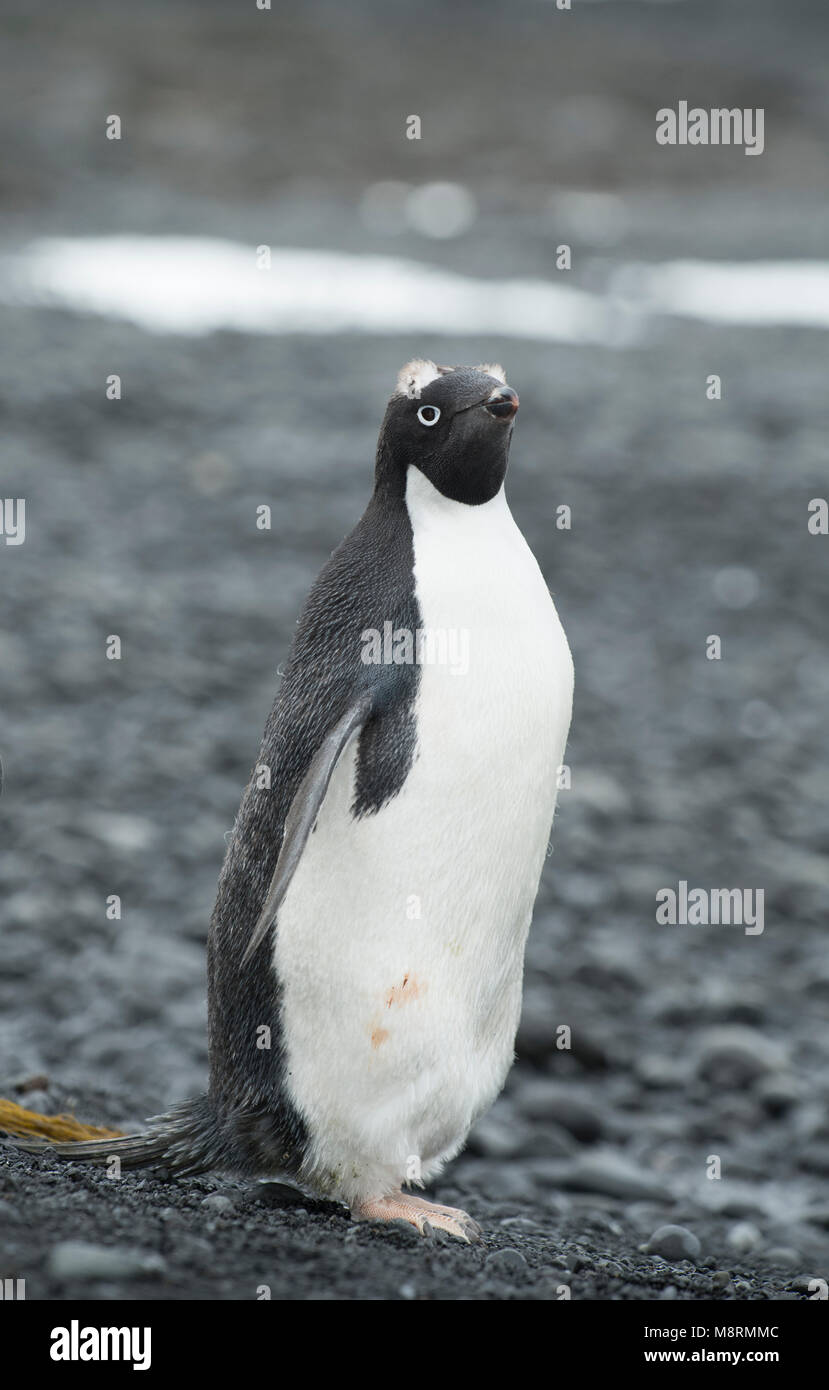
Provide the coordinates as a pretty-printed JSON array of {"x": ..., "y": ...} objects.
[{"x": 428, "y": 415}]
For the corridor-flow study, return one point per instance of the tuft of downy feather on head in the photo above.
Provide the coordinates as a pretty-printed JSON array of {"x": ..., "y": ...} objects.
[
  {"x": 416, "y": 374},
  {"x": 492, "y": 369}
]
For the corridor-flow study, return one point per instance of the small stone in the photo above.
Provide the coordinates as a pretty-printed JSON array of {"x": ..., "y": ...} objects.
[
  {"x": 217, "y": 1203},
  {"x": 674, "y": 1243},
  {"x": 400, "y": 1229},
  {"x": 644, "y": 1216},
  {"x": 494, "y": 1137},
  {"x": 731, "y": 1057},
  {"x": 546, "y": 1100},
  {"x": 660, "y": 1073},
  {"x": 274, "y": 1194},
  {"x": 40, "y": 1102},
  {"x": 127, "y": 833},
  {"x": 509, "y": 1262},
  {"x": 612, "y": 1175},
  {"x": 512, "y": 1182},
  {"x": 25, "y": 1084},
  {"x": 601, "y": 792},
  {"x": 783, "y": 1255},
  {"x": 807, "y": 1283},
  {"x": 744, "y": 1237},
  {"x": 778, "y": 1094},
  {"x": 79, "y": 1259},
  {"x": 743, "y": 1208},
  {"x": 521, "y": 1223},
  {"x": 818, "y": 1215},
  {"x": 721, "y": 1279}
]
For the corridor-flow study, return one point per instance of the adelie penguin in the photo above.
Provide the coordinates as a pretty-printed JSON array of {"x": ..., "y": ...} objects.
[{"x": 366, "y": 949}]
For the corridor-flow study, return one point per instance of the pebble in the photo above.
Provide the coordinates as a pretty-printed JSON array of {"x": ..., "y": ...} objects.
[
  {"x": 543, "y": 1100},
  {"x": 507, "y": 1263},
  {"x": 610, "y": 1174},
  {"x": 733, "y": 1056},
  {"x": 494, "y": 1137},
  {"x": 661, "y": 1073},
  {"x": 818, "y": 1215},
  {"x": 401, "y": 1230},
  {"x": 511, "y": 1182},
  {"x": 643, "y": 1216},
  {"x": 803, "y": 1281},
  {"x": 674, "y": 1243},
  {"x": 778, "y": 1094},
  {"x": 744, "y": 1236},
  {"x": 40, "y": 1102},
  {"x": 274, "y": 1194},
  {"x": 600, "y": 792},
  {"x": 217, "y": 1203},
  {"x": 524, "y": 1224},
  {"x": 78, "y": 1259},
  {"x": 783, "y": 1255}
]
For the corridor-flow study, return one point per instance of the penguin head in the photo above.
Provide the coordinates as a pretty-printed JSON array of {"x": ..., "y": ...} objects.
[{"x": 454, "y": 424}]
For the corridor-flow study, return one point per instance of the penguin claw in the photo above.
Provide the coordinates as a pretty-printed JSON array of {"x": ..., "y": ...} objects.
[{"x": 426, "y": 1217}]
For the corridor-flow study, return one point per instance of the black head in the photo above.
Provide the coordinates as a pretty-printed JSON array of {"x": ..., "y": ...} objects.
[{"x": 454, "y": 424}]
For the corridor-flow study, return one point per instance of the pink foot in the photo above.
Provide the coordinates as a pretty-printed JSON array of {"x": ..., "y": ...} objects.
[{"x": 402, "y": 1206}]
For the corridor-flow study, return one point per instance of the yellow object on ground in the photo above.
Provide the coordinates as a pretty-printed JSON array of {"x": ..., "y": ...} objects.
[{"x": 27, "y": 1124}]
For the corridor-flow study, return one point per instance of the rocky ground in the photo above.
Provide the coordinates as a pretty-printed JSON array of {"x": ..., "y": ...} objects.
[{"x": 695, "y": 1051}]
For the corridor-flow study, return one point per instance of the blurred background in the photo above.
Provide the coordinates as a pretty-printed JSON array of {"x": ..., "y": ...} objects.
[{"x": 243, "y": 386}]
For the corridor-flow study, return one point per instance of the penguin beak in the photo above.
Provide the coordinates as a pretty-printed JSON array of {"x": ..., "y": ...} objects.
[{"x": 503, "y": 403}]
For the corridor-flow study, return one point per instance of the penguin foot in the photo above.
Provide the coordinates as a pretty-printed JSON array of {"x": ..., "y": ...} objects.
[{"x": 423, "y": 1215}]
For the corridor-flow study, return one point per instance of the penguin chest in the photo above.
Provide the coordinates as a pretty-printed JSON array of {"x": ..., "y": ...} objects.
[
  {"x": 492, "y": 719},
  {"x": 399, "y": 946}
]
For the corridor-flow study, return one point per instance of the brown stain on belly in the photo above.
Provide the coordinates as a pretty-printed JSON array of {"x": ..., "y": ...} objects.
[
  {"x": 404, "y": 993},
  {"x": 409, "y": 989}
]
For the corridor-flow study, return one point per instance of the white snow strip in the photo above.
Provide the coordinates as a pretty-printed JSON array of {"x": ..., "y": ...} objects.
[
  {"x": 192, "y": 286},
  {"x": 196, "y": 285},
  {"x": 759, "y": 292}
]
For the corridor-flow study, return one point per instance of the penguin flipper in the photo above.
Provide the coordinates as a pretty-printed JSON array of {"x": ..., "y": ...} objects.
[{"x": 304, "y": 810}]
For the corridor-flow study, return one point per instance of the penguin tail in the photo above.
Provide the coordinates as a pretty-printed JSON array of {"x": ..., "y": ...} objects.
[{"x": 184, "y": 1141}]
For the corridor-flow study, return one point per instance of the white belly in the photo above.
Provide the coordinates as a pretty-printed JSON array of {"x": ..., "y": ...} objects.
[{"x": 400, "y": 943}]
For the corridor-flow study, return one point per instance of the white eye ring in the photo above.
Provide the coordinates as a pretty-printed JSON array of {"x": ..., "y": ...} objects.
[{"x": 435, "y": 415}]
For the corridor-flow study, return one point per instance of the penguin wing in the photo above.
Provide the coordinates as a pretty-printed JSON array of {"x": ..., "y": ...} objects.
[{"x": 304, "y": 810}]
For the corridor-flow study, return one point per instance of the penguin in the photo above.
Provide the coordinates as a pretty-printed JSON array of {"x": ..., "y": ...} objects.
[{"x": 366, "y": 949}]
